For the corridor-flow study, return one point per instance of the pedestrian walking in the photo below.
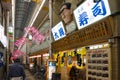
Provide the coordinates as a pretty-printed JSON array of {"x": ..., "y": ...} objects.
[{"x": 16, "y": 71}]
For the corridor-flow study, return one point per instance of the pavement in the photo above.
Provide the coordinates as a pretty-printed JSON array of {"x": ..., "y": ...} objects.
[{"x": 29, "y": 76}]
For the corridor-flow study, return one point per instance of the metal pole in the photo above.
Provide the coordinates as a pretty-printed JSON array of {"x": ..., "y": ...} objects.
[
  {"x": 43, "y": 21},
  {"x": 51, "y": 23},
  {"x": 6, "y": 32}
]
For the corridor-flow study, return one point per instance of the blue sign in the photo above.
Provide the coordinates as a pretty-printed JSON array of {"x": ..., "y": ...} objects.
[
  {"x": 1, "y": 59},
  {"x": 58, "y": 31},
  {"x": 90, "y": 12}
]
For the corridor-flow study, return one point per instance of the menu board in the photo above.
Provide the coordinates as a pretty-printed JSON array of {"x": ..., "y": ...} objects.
[{"x": 98, "y": 64}]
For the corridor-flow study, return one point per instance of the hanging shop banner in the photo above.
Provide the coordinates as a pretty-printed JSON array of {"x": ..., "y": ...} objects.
[
  {"x": 20, "y": 41},
  {"x": 17, "y": 53},
  {"x": 58, "y": 31},
  {"x": 38, "y": 38},
  {"x": 89, "y": 12},
  {"x": 36, "y": 35}
]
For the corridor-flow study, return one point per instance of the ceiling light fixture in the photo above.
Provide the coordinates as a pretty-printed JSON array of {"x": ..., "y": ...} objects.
[
  {"x": 36, "y": 14},
  {"x": 27, "y": 0}
]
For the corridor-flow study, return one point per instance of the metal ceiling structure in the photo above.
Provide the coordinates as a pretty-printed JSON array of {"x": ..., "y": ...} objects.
[
  {"x": 23, "y": 12},
  {"x": 25, "y": 16},
  {"x": 42, "y": 15}
]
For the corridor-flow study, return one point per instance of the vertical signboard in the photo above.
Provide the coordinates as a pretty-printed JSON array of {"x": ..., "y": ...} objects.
[
  {"x": 51, "y": 68},
  {"x": 90, "y": 12},
  {"x": 3, "y": 38},
  {"x": 1, "y": 32}
]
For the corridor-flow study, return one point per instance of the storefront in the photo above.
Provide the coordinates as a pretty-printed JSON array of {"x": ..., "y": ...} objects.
[
  {"x": 38, "y": 59},
  {"x": 98, "y": 33},
  {"x": 101, "y": 61},
  {"x": 104, "y": 31},
  {"x": 41, "y": 56}
]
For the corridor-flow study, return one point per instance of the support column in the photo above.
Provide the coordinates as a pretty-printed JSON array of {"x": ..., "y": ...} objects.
[
  {"x": 51, "y": 24},
  {"x": 6, "y": 33},
  {"x": 115, "y": 49}
]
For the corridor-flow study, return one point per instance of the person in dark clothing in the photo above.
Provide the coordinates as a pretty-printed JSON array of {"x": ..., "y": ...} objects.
[
  {"x": 72, "y": 74},
  {"x": 16, "y": 71},
  {"x": 41, "y": 73}
]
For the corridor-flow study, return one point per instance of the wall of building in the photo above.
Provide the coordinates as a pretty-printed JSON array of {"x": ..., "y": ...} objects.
[{"x": 115, "y": 48}]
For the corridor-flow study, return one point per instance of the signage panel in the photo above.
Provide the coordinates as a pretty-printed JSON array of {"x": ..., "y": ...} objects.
[
  {"x": 58, "y": 31},
  {"x": 90, "y": 12},
  {"x": 52, "y": 69},
  {"x": 4, "y": 41},
  {"x": 3, "y": 38},
  {"x": 1, "y": 31}
]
